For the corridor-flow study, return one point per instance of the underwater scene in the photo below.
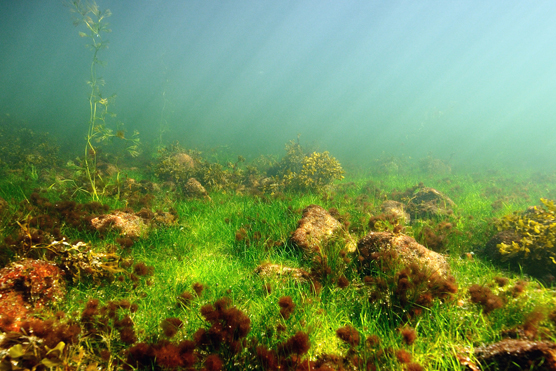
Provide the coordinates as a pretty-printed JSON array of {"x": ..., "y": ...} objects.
[{"x": 277, "y": 185}]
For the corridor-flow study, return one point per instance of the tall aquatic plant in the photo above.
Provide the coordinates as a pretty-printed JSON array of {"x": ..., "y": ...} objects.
[{"x": 94, "y": 20}]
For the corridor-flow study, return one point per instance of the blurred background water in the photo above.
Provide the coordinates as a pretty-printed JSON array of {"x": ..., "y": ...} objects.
[{"x": 469, "y": 82}]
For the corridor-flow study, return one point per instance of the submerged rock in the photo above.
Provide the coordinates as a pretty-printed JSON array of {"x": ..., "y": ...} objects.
[
  {"x": 515, "y": 354},
  {"x": 184, "y": 160},
  {"x": 127, "y": 224},
  {"x": 427, "y": 202},
  {"x": 317, "y": 228},
  {"x": 270, "y": 270},
  {"x": 193, "y": 189},
  {"x": 407, "y": 249}
]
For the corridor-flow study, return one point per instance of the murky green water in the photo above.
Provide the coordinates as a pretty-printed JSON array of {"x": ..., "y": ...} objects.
[{"x": 471, "y": 83}]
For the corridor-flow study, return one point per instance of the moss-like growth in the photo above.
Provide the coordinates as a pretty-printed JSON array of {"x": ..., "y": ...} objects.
[{"x": 536, "y": 243}]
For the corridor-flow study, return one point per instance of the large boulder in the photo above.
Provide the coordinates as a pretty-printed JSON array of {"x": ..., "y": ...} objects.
[
  {"x": 407, "y": 250},
  {"x": 316, "y": 229}
]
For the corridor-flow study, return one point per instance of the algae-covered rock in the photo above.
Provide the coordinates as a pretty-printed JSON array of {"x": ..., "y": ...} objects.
[
  {"x": 407, "y": 249},
  {"x": 270, "y": 270},
  {"x": 506, "y": 237},
  {"x": 127, "y": 224},
  {"x": 427, "y": 202},
  {"x": 317, "y": 228},
  {"x": 193, "y": 189},
  {"x": 517, "y": 354}
]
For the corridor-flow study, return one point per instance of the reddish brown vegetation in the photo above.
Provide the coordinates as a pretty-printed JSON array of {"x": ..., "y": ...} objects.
[
  {"x": 483, "y": 296},
  {"x": 414, "y": 367},
  {"x": 287, "y": 306},
  {"x": 198, "y": 288},
  {"x": 403, "y": 356},
  {"x": 501, "y": 281},
  {"x": 410, "y": 287},
  {"x": 185, "y": 298},
  {"x": 343, "y": 282},
  {"x": 349, "y": 335},
  {"x": 518, "y": 288},
  {"x": 296, "y": 345},
  {"x": 437, "y": 239},
  {"x": 171, "y": 326},
  {"x": 409, "y": 335},
  {"x": 228, "y": 327},
  {"x": 25, "y": 285},
  {"x": 141, "y": 269},
  {"x": 97, "y": 320}
]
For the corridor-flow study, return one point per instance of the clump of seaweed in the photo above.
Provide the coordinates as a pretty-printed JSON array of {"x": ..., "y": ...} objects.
[
  {"x": 287, "y": 306},
  {"x": 228, "y": 327},
  {"x": 349, "y": 335},
  {"x": 178, "y": 166},
  {"x": 384, "y": 222},
  {"x": 25, "y": 285},
  {"x": 300, "y": 171},
  {"x": 535, "y": 246},
  {"x": 318, "y": 170},
  {"x": 214, "y": 347},
  {"x": 438, "y": 238},
  {"x": 41, "y": 344},
  {"x": 484, "y": 296}
]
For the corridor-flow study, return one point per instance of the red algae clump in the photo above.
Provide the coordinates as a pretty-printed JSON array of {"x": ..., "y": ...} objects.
[{"x": 28, "y": 284}]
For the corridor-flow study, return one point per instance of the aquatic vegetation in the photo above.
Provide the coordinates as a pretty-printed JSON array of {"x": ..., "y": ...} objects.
[
  {"x": 535, "y": 245},
  {"x": 24, "y": 149},
  {"x": 317, "y": 171},
  {"x": 157, "y": 300},
  {"x": 96, "y": 26},
  {"x": 27, "y": 284},
  {"x": 300, "y": 171},
  {"x": 176, "y": 164}
]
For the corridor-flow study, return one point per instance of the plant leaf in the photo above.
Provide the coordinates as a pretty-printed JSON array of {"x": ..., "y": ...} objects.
[{"x": 16, "y": 351}]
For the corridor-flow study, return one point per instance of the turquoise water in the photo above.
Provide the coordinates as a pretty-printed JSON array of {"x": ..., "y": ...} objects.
[{"x": 469, "y": 82}]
